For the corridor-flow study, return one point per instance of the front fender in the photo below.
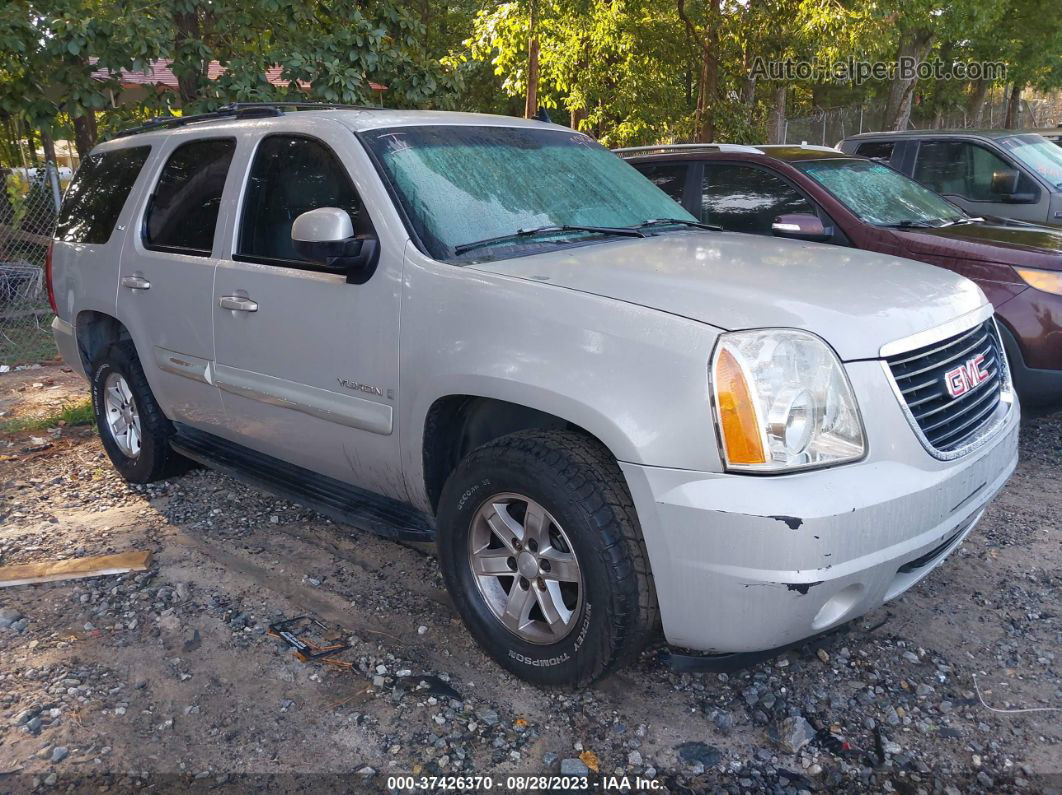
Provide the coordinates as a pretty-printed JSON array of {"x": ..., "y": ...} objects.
[{"x": 635, "y": 378}]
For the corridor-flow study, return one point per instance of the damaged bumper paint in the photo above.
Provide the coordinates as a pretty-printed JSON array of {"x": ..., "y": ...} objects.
[{"x": 744, "y": 563}]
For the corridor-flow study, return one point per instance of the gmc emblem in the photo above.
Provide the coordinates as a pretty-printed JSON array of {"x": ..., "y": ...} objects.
[{"x": 966, "y": 376}]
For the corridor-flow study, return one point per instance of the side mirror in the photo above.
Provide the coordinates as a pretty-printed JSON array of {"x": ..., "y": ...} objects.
[
  {"x": 1005, "y": 183},
  {"x": 801, "y": 226},
  {"x": 325, "y": 236}
]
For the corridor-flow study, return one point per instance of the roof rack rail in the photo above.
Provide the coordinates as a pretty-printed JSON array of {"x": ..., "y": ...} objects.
[
  {"x": 235, "y": 110},
  {"x": 630, "y": 150},
  {"x": 803, "y": 145}
]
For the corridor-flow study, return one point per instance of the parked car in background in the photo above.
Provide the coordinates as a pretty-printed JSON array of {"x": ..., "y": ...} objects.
[
  {"x": 493, "y": 334},
  {"x": 1052, "y": 134},
  {"x": 821, "y": 194},
  {"x": 1005, "y": 173}
]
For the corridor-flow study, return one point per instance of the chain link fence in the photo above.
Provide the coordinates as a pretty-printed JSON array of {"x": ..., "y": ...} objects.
[
  {"x": 827, "y": 126},
  {"x": 28, "y": 208}
]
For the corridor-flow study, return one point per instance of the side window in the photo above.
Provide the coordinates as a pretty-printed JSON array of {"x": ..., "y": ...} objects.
[
  {"x": 183, "y": 211},
  {"x": 95, "y": 198},
  {"x": 290, "y": 175},
  {"x": 746, "y": 199},
  {"x": 670, "y": 178},
  {"x": 877, "y": 150},
  {"x": 962, "y": 169}
]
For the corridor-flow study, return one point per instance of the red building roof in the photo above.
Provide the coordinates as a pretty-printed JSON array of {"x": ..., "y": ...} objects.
[{"x": 159, "y": 74}]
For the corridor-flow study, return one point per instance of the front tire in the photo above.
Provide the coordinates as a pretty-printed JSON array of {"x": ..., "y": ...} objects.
[
  {"x": 135, "y": 433},
  {"x": 542, "y": 553}
]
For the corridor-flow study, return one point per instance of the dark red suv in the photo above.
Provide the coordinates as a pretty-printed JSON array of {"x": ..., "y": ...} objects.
[{"x": 821, "y": 194}]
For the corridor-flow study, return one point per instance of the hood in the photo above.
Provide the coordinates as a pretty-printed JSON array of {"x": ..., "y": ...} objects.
[
  {"x": 1011, "y": 244},
  {"x": 856, "y": 300}
]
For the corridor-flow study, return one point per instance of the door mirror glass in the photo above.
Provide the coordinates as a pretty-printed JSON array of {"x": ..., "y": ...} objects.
[
  {"x": 325, "y": 236},
  {"x": 1005, "y": 182},
  {"x": 801, "y": 226}
]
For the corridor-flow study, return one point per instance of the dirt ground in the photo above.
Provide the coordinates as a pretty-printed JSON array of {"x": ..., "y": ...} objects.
[{"x": 166, "y": 680}]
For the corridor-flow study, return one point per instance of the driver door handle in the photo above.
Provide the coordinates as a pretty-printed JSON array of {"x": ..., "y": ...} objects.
[
  {"x": 237, "y": 303},
  {"x": 136, "y": 283}
]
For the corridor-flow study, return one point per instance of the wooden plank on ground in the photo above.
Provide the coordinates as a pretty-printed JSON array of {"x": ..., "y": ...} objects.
[{"x": 74, "y": 569}]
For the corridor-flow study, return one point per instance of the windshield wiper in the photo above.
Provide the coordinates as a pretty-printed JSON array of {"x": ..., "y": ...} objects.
[
  {"x": 909, "y": 225},
  {"x": 623, "y": 231},
  {"x": 965, "y": 220},
  {"x": 669, "y": 221}
]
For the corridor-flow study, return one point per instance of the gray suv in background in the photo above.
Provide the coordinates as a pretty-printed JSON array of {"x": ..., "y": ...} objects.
[
  {"x": 1003, "y": 173},
  {"x": 493, "y": 334}
]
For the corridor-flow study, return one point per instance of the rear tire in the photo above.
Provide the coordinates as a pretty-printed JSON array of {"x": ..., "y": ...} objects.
[
  {"x": 134, "y": 431},
  {"x": 542, "y": 553}
]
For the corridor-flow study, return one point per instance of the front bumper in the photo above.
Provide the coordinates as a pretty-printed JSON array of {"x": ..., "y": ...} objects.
[{"x": 744, "y": 563}]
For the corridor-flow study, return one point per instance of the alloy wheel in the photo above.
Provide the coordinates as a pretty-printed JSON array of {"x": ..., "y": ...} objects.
[
  {"x": 122, "y": 417},
  {"x": 526, "y": 568}
]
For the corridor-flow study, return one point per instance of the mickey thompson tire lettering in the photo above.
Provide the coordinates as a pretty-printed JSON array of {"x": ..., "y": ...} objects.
[
  {"x": 580, "y": 485},
  {"x": 523, "y": 658}
]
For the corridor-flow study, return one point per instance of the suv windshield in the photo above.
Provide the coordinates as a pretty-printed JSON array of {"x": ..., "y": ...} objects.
[
  {"x": 879, "y": 195},
  {"x": 513, "y": 190},
  {"x": 1037, "y": 153}
]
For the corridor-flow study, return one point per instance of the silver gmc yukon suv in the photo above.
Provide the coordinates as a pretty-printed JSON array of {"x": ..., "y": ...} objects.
[{"x": 493, "y": 334}]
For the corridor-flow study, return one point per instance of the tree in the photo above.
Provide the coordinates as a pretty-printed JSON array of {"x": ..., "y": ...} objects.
[
  {"x": 706, "y": 38},
  {"x": 51, "y": 48},
  {"x": 913, "y": 27},
  {"x": 531, "y": 103},
  {"x": 335, "y": 48},
  {"x": 1031, "y": 43}
]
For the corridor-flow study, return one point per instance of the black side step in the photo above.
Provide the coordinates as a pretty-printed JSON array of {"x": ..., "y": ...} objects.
[{"x": 339, "y": 501}]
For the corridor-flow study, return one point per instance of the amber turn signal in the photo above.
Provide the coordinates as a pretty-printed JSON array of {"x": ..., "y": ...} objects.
[
  {"x": 742, "y": 437},
  {"x": 1048, "y": 281}
]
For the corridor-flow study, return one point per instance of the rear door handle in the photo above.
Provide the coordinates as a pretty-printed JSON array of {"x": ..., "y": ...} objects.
[
  {"x": 237, "y": 303},
  {"x": 136, "y": 283}
]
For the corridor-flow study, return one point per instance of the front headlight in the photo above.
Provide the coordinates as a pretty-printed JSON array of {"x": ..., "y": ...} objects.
[
  {"x": 1048, "y": 281},
  {"x": 783, "y": 402}
]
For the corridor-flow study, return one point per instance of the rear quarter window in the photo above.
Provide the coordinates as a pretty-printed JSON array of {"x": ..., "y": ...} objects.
[
  {"x": 670, "y": 178},
  {"x": 98, "y": 193},
  {"x": 876, "y": 150}
]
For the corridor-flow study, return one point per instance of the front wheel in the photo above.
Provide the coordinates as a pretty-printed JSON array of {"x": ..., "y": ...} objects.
[{"x": 542, "y": 553}]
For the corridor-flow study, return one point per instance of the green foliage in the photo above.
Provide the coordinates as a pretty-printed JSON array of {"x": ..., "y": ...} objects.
[
  {"x": 49, "y": 50},
  {"x": 78, "y": 413},
  {"x": 626, "y": 71}
]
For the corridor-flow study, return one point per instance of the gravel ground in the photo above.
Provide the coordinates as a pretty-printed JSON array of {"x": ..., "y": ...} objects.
[{"x": 167, "y": 679}]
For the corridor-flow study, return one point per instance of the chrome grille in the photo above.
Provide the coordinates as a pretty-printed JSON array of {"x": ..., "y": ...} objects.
[{"x": 947, "y": 422}]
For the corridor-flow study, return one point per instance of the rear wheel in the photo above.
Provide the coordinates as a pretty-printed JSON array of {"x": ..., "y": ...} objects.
[
  {"x": 135, "y": 433},
  {"x": 541, "y": 551}
]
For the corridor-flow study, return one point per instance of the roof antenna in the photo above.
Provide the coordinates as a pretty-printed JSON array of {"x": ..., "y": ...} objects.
[{"x": 543, "y": 115}]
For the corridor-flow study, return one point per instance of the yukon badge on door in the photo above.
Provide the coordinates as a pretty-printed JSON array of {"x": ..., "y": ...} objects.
[{"x": 968, "y": 375}]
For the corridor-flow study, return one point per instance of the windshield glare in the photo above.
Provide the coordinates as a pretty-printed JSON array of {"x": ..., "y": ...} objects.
[
  {"x": 461, "y": 184},
  {"x": 1038, "y": 154},
  {"x": 879, "y": 195}
]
